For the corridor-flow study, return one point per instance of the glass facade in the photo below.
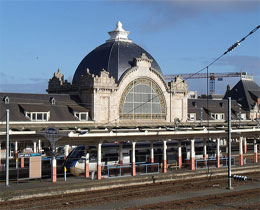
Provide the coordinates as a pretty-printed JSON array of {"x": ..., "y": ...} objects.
[{"x": 142, "y": 99}]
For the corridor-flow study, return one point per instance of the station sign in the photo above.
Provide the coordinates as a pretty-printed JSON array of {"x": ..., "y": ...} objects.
[
  {"x": 23, "y": 155},
  {"x": 20, "y": 155}
]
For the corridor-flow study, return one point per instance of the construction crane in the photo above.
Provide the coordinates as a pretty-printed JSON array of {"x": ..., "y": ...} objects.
[{"x": 211, "y": 76}]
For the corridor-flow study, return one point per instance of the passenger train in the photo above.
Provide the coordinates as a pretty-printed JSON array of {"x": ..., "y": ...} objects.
[{"x": 75, "y": 161}]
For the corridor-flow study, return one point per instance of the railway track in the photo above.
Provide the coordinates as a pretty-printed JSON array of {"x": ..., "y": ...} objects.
[
  {"x": 134, "y": 192},
  {"x": 247, "y": 199}
]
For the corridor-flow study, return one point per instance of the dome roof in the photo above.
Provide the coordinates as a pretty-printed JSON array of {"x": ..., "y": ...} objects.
[{"x": 115, "y": 56}]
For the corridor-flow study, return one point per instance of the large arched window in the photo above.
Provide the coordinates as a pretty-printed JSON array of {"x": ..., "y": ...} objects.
[{"x": 142, "y": 99}]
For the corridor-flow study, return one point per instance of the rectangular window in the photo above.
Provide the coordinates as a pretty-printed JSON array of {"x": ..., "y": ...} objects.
[
  {"x": 81, "y": 115},
  {"x": 39, "y": 116},
  {"x": 34, "y": 116}
]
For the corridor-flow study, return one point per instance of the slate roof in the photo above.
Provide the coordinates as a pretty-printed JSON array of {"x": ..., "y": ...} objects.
[
  {"x": 62, "y": 110},
  {"x": 245, "y": 92},
  {"x": 115, "y": 57},
  {"x": 213, "y": 106}
]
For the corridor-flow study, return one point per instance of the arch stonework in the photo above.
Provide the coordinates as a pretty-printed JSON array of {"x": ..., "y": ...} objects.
[
  {"x": 155, "y": 93},
  {"x": 174, "y": 96}
]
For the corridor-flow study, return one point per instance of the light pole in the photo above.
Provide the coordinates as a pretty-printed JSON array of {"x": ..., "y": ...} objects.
[
  {"x": 229, "y": 143},
  {"x": 201, "y": 115},
  {"x": 7, "y": 150}
]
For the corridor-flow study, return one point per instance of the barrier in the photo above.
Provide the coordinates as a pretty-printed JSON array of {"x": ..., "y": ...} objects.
[
  {"x": 213, "y": 161},
  {"x": 112, "y": 171}
]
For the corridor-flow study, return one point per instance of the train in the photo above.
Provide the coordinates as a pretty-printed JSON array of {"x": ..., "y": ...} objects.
[{"x": 75, "y": 162}]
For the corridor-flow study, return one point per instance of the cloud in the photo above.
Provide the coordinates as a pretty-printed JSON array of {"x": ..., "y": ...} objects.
[
  {"x": 161, "y": 14},
  {"x": 239, "y": 63},
  {"x": 6, "y": 78}
]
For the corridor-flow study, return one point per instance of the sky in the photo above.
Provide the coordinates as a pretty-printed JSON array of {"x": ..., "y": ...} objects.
[{"x": 38, "y": 37}]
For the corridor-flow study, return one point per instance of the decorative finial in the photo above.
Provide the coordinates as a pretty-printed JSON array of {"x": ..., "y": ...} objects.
[
  {"x": 119, "y": 26},
  {"x": 119, "y": 34}
]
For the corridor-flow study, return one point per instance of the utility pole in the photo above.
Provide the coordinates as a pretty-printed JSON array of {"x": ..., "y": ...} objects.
[
  {"x": 229, "y": 143},
  {"x": 7, "y": 150}
]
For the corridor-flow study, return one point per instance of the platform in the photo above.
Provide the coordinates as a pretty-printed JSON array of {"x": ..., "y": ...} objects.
[{"x": 37, "y": 188}]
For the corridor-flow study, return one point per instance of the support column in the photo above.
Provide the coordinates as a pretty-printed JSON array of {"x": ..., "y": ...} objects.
[
  {"x": 66, "y": 151},
  {"x": 34, "y": 147},
  {"x": 54, "y": 170},
  {"x": 151, "y": 152},
  {"x": 255, "y": 152},
  {"x": 0, "y": 157},
  {"x": 179, "y": 155},
  {"x": 22, "y": 162},
  {"x": 192, "y": 155},
  {"x": 16, "y": 154},
  {"x": 164, "y": 156},
  {"x": 205, "y": 156},
  {"x": 99, "y": 161},
  {"x": 217, "y": 153},
  {"x": 133, "y": 159},
  {"x": 87, "y": 166},
  {"x": 16, "y": 149},
  {"x": 245, "y": 145},
  {"x": 39, "y": 146},
  {"x": 241, "y": 163},
  {"x": 121, "y": 153}
]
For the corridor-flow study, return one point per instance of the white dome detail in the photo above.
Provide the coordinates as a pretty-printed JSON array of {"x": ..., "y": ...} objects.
[{"x": 119, "y": 34}]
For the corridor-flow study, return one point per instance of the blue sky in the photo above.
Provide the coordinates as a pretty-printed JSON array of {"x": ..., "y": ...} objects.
[{"x": 38, "y": 37}]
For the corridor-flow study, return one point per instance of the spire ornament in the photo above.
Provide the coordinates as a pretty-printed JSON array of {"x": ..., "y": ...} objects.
[{"x": 119, "y": 34}]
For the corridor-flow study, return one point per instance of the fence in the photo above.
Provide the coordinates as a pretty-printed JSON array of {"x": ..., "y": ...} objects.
[
  {"x": 110, "y": 171},
  {"x": 213, "y": 162}
]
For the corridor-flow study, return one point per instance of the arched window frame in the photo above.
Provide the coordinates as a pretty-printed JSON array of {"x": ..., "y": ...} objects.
[{"x": 156, "y": 91}]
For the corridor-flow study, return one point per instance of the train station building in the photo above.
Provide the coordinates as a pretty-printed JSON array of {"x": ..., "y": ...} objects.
[{"x": 118, "y": 93}]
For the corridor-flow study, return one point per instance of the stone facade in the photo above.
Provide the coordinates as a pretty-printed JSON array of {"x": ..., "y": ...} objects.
[{"x": 104, "y": 97}]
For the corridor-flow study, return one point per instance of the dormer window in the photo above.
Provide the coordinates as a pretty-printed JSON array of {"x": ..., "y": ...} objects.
[
  {"x": 241, "y": 116},
  {"x": 192, "y": 116},
  {"x": 82, "y": 116},
  {"x": 218, "y": 116},
  {"x": 6, "y": 99},
  {"x": 221, "y": 104},
  {"x": 52, "y": 100},
  {"x": 194, "y": 104},
  {"x": 38, "y": 116}
]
